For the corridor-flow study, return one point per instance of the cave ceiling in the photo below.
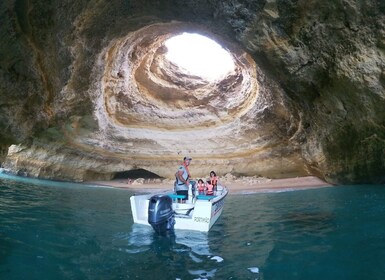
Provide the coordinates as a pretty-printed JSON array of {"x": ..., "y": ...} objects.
[{"x": 87, "y": 90}]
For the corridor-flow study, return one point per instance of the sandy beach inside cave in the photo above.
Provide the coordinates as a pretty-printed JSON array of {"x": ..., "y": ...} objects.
[{"x": 244, "y": 185}]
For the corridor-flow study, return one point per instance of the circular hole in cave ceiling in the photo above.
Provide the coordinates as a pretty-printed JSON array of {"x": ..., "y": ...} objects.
[
  {"x": 198, "y": 55},
  {"x": 142, "y": 87}
]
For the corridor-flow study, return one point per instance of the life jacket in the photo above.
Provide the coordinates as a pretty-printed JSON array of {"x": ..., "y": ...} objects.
[
  {"x": 214, "y": 181},
  {"x": 210, "y": 189},
  {"x": 201, "y": 187}
]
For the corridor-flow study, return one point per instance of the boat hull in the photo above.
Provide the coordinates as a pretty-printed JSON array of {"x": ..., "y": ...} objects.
[{"x": 199, "y": 214}]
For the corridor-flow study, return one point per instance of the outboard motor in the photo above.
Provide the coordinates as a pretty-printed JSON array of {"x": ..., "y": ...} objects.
[{"x": 160, "y": 213}]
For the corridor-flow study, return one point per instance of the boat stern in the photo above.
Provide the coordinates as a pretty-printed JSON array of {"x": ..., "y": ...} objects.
[{"x": 139, "y": 208}]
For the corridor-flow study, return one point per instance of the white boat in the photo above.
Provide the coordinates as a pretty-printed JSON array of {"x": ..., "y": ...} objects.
[{"x": 199, "y": 212}]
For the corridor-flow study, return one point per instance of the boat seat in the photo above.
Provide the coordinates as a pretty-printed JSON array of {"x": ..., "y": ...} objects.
[
  {"x": 175, "y": 196},
  {"x": 206, "y": 197}
]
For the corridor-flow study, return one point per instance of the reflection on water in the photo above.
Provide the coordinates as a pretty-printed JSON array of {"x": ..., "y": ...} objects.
[
  {"x": 142, "y": 237},
  {"x": 72, "y": 231},
  {"x": 188, "y": 247}
]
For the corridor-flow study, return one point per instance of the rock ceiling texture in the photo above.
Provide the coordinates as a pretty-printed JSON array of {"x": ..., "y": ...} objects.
[{"x": 86, "y": 90}]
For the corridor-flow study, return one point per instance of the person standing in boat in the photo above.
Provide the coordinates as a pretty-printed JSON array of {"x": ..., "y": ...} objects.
[
  {"x": 183, "y": 179},
  {"x": 212, "y": 183}
]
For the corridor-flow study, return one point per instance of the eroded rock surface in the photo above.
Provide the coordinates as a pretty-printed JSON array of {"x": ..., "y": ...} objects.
[{"x": 86, "y": 90}]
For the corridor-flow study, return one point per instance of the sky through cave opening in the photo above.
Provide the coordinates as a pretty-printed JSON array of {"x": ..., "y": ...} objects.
[{"x": 198, "y": 55}]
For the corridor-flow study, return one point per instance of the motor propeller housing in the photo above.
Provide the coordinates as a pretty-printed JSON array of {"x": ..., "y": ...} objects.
[{"x": 160, "y": 213}]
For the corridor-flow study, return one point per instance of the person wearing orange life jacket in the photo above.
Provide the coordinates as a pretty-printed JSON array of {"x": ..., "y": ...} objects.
[
  {"x": 212, "y": 183},
  {"x": 209, "y": 189},
  {"x": 214, "y": 179},
  {"x": 201, "y": 186}
]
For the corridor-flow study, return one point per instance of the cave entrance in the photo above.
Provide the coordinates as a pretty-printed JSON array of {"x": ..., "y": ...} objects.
[
  {"x": 199, "y": 55},
  {"x": 135, "y": 174}
]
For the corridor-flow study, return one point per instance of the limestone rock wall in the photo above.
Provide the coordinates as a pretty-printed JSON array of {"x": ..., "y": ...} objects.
[
  {"x": 331, "y": 56},
  {"x": 85, "y": 91}
]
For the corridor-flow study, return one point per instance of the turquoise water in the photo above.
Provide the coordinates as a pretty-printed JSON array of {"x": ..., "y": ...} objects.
[{"x": 68, "y": 231}]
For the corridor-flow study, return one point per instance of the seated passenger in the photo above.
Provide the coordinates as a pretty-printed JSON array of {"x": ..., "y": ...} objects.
[
  {"x": 213, "y": 180},
  {"x": 201, "y": 187},
  {"x": 209, "y": 189}
]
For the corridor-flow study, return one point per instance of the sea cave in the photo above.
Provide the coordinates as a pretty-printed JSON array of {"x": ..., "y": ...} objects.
[{"x": 88, "y": 91}]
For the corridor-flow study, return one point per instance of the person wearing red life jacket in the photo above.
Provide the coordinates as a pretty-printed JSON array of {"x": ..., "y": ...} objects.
[
  {"x": 201, "y": 187},
  {"x": 212, "y": 183},
  {"x": 214, "y": 179},
  {"x": 209, "y": 189}
]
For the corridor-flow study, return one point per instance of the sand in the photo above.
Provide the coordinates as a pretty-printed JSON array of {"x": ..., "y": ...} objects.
[{"x": 244, "y": 185}]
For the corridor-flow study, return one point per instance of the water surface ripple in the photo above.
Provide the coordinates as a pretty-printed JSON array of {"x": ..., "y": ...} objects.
[{"x": 69, "y": 231}]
